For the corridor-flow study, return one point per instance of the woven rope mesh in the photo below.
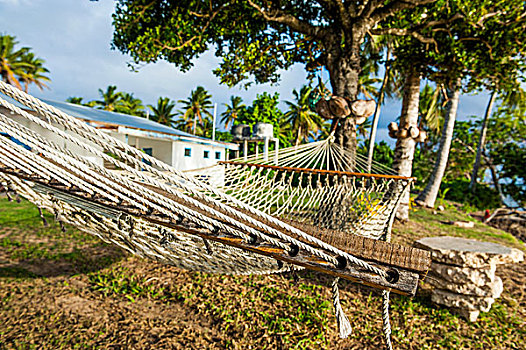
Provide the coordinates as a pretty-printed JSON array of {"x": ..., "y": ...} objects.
[{"x": 314, "y": 184}]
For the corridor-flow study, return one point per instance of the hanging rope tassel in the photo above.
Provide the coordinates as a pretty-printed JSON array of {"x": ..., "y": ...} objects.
[
  {"x": 44, "y": 221},
  {"x": 385, "y": 316},
  {"x": 344, "y": 326},
  {"x": 208, "y": 247},
  {"x": 8, "y": 194},
  {"x": 56, "y": 212}
]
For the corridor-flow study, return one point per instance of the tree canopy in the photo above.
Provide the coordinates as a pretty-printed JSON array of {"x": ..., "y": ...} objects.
[{"x": 255, "y": 39}]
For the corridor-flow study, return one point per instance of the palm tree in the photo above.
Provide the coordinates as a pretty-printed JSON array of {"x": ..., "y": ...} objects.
[
  {"x": 515, "y": 99},
  {"x": 128, "y": 104},
  {"x": 34, "y": 72},
  {"x": 20, "y": 67},
  {"x": 163, "y": 111},
  {"x": 232, "y": 111},
  {"x": 12, "y": 64},
  {"x": 431, "y": 108},
  {"x": 205, "y": 129},
  {"x": 110, "y": 98},
  {"x": 429, "y": 195},
  {"x": 367, "y": 80},
  {"x": 304, "y": 121},
  {"x": 75, "y": 100},
  {"x": 390, "y": 87},
  {"x": 79, "y": 101},
  {"x": 363, "y": 129},
  {"x": 195, "y": 107},
  {"x": 404, "y": 151}
]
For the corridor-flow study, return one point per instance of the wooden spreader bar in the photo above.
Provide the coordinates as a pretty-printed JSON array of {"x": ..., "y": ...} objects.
[
  {"x": 320, "y": 171},
  {"x": 404, "y": 265}
]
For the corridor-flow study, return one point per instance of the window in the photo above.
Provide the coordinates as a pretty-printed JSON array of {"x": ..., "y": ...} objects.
[
  {"x": 187, "y": 152},
  {"x": 218, "y": 155},
  {"x": 206, "y": 154},
  {"x": 148, "y": 151}
]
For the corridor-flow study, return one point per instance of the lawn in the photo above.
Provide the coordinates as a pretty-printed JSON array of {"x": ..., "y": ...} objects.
[{"x": 69, "y": 290}]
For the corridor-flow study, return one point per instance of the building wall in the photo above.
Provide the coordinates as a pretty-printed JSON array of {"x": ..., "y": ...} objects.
[
  {"x": 161, "y": 149},
  {"x": 196, "y": 159},
  {"x": 196, "y": 164}
]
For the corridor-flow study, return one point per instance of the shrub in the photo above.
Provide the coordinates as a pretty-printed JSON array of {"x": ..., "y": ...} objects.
[{"x": 484, "y": 196}]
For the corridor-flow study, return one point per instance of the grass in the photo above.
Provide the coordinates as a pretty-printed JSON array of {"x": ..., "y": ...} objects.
[
  {"x": 58, "y": 289},
  {"x": 438, "y": 223}
]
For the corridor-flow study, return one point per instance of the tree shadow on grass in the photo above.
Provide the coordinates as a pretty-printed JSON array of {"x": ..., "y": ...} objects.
[{"x": 64, "y": 264}]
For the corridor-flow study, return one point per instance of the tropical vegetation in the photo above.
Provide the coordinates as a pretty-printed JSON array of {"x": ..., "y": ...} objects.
[
  {"x": 19, "y": 66},
  {"x": 196, "y": 109}
]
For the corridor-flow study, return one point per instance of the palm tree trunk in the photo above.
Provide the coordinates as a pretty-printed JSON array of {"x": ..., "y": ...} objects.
[
  {"x": 405, "y": 146},
  {"x": 372, "y": 137},
  {"x": 429, "y": 194},
  {"x": 298, "y": 136},
  {"x": 496, "y": 183},
  {"x": 482, "y": 141}
]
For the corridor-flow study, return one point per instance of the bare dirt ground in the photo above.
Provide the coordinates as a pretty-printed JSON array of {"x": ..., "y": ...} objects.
[{"x": 70, "y": 291}]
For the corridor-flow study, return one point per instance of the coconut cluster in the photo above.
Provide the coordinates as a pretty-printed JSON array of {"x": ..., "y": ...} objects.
[
  {"x": 338, "y": 107},
  {"x": 396, "y": 132}
]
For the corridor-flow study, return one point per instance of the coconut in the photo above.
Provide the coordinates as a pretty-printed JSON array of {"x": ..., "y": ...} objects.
[
  {"x": 322, "y": 108},
  {"x": 402, "y": 133},
  {"x": 339, "y": 107},
  {"x": 413, "y": 131},
  {"x": 422, "y": 136},
  {"x": 392, "y": 126}
]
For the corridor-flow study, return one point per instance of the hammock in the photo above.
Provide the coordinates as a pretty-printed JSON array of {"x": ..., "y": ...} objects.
[
  {"x": 248, "y": 216},
  {"x": 314, "y": 184}
]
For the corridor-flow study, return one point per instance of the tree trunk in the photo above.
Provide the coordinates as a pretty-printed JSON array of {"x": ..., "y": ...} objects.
[
  {"x": 429, "y": 195},
  {"x": 482, "y": 141},
  {"x": 405, "y": 147},
  {"x": 344, "y": 72},
  {"x": 496, "y": 183},
  {"x": 298, "y": 136},
  {"x": 379, "y": 102}
]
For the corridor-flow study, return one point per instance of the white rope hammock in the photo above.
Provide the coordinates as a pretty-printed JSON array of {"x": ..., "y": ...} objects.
[
  {"x": 313, "y": 184},
  {"x": 252, "y": 216}
]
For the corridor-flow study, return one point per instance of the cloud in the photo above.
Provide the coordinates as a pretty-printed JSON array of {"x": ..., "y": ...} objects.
[{"x": 15, "y": 2}]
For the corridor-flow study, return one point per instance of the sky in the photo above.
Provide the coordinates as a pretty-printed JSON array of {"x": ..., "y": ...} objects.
[{"x": 74, "y": 38}]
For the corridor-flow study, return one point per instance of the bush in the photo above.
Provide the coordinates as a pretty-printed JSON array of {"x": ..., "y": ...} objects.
[{"x": 484, "y": 196}]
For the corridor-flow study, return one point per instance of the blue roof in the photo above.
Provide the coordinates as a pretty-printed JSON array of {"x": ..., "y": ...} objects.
[{"x": 117, "y": 119}]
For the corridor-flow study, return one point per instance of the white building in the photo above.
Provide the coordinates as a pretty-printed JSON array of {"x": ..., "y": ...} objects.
[{"x": 182, "y": 150}]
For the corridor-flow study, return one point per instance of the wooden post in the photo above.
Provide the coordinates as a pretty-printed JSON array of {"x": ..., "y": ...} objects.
[
  {"x": 245, "y": 150},
  {"x": 265, "y": 149},
  {"x": 276, "y": 149}
]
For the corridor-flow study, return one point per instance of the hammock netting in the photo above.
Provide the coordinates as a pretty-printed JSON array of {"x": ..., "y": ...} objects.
[
  {"x": 318, "y": 184},
  {"x": 252, "y": 215}
]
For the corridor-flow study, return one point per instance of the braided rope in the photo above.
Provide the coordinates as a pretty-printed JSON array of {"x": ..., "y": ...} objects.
[
  {"x": 385, "y": 318},
  {"x": 145, "y": 239},
  {"x": 344, "y": 326}
]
